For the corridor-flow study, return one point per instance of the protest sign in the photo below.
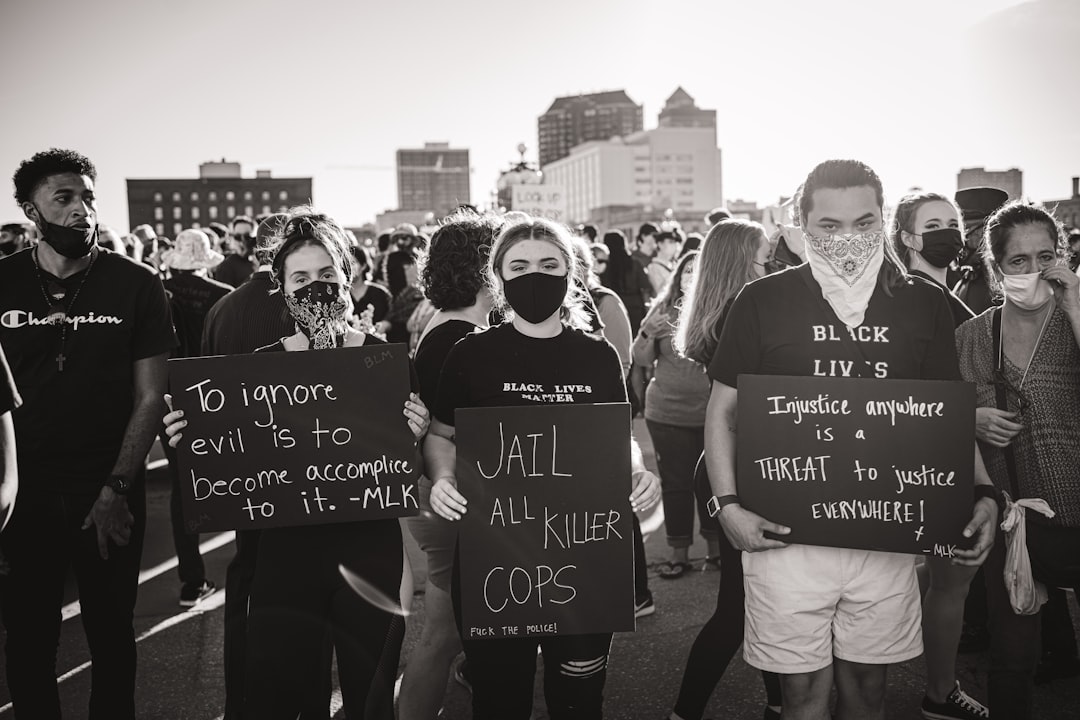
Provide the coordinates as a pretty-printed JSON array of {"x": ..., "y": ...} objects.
[
  {"x": 294, "y": 438},
  {"x": 542, "y": 201},
  {"x": 848, "y": 462},
  {"x": 546, "y": 547}
]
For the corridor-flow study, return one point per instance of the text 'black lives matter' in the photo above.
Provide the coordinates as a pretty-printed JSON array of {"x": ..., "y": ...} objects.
[
  {"x": 294, "y": 438},
  {"x": 546, "y": 547},
  {"x": 859, "y": 463}
]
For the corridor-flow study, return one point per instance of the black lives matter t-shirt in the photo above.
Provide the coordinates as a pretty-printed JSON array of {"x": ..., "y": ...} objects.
[
  {"x": 500, "y": 367},
  {"x": 71, "y": 425},
  {"x": 777, "y": 326}
]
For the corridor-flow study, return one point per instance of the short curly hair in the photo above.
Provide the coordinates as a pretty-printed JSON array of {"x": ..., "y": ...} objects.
[
  {"x": 53, "y": 161},
  {"x": 454, "y": 270}
]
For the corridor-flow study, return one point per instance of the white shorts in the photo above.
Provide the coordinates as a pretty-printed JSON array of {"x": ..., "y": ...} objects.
[{"x": 806, "y": 604}]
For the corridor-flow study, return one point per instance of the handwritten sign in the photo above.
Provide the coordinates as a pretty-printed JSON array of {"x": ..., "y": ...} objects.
[
  {"x": 871, "y": 464},
  {"x": 294, "y": 438},
  {"x": 546, "y": 547},
  {"x": 544, "y": 201}
]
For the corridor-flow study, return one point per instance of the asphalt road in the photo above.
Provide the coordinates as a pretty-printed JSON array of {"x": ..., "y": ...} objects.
[{"x": 180, "y": 652}]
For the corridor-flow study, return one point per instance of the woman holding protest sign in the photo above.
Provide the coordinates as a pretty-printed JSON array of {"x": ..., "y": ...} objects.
[
  {"x": 300, "y": 597},
  {"x": 1025, "y": 362},
  {"x": 543, "y": 346},
  {"x": 734, "y": 253}
]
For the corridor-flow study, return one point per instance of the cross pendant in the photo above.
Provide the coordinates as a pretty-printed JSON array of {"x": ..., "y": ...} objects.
[{"x": 60, "y": 361}]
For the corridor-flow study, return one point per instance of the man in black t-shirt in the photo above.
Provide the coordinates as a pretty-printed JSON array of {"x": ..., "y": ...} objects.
[
  {"x": 815, "y": 613},
  {"x": 87, "y": 333}
]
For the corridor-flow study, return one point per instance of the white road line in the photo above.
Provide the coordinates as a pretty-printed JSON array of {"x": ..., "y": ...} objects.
[
  {"x": 211, "y": 603},
  {"x": 72, "y": 609}
]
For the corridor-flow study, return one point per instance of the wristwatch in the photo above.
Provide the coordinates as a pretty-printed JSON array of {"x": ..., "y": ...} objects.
[
  {"x": 119, "y": 484},
  {"x": 718, "y": 503}
]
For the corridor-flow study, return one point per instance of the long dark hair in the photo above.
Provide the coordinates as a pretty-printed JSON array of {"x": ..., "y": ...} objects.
[
  {"x": 620, "y": 263},
  {"x": 671, "y": 297}
]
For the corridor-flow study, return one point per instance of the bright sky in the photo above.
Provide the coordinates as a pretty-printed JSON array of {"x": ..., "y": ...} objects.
[{"x": 331, "y": 88}]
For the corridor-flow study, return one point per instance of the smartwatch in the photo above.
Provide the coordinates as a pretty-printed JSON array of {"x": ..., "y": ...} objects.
[
  {"x": 119, "y": 484},
  {"x": 718, "y": 503}
]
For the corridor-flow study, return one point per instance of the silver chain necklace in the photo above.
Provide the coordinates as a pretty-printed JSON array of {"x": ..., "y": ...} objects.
[{"x": 58, "y": 313}]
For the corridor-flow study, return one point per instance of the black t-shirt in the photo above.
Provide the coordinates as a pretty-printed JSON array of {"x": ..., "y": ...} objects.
[
  {"x": 777, "y": 326},
  {"x": 190, "y": 299},
  {"x": 432, "y": 353},
  {"x": 961, "y": 313},
  {"x": 500, "y": 367},
  {"x": 72, "y": 423},
  {"x": 234, "y": 270},
  {"x": 9, "y": 396},
  {"x": 248, "y": 318},
  {"x": 378, "y": 298}
]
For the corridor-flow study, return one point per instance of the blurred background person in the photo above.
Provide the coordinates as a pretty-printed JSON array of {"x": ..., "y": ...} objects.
[
  {"x": 365, "y": 292},
  {"x": 13, "y": 238},
  {"x": 191, "y": 295},
  {"x": 402, "y": 279},
  {"x": 970, "y": 281},
  {"x": 675, "y": 403},
  {"x": 239, "y": 263},
  {"x": 733, "y": 255},
  {"x": 669, "y": 245}
]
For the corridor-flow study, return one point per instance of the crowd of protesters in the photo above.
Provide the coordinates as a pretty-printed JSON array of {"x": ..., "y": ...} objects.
[{"x": 970, "y": 288}]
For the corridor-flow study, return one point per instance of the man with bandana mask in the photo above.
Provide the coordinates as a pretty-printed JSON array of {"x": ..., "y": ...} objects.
[
  {"x": 970, "y": 283},
  {"x": 818, "y": 613},
  {"x": 87, "y": 333}
]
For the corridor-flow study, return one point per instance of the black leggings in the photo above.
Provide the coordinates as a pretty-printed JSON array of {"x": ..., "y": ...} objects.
[
  {"x": 298, "y": 599},
  {"x": 721, "y": 636},
  {"x": 502, "y": 671}
]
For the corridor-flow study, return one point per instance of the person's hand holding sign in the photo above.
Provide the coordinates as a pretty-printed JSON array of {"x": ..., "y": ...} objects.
[{"x": 745, "y": 530}]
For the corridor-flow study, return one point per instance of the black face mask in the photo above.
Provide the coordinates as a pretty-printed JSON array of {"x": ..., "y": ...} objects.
[
  {"x": 7, "y": 248},
  {"x": 319, "y": 311},
  {"x": 940, "y": 247},
  {"x": 70, "y": 242},
  {"x": 536, "y": 296}
]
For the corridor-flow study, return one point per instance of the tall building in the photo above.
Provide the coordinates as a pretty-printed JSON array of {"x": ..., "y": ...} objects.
[
  {"x": 680, "y": 110},
  {"x": 433, "y": 179},
  {"x": 1067, "y": 211},
  {"x": 219, "y": 194},
  {"x": 1011, "y": 180},
  {"x": 677, "y": 168},
  {"x": 578, "y": 119}
]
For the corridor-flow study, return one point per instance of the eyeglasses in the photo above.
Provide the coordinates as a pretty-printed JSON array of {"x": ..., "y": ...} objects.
[{"x": 1013, "y": 396}]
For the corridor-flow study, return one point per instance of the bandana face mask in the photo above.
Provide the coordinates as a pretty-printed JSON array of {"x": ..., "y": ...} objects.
[
  {"x": 319, "y": 311},
  {"x": 846, "y": 267}
]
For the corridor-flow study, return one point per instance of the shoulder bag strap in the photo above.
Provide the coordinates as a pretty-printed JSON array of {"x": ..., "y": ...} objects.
[{"x": 1002, "y": 400}]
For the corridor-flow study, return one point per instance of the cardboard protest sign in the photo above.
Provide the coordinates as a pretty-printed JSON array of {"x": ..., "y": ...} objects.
[
  {"x": 294, "y": 438},
  {"x": 546, "y": 547},
  {"x": 849, "y": 462},
  {"x": 542, "y": 201}
]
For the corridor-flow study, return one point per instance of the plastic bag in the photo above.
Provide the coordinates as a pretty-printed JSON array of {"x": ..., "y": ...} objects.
[{"x": 1026, "y": 595}]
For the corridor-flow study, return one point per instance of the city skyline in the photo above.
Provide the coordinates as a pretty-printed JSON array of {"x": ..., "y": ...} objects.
[{"x": 918, "y": 90}]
